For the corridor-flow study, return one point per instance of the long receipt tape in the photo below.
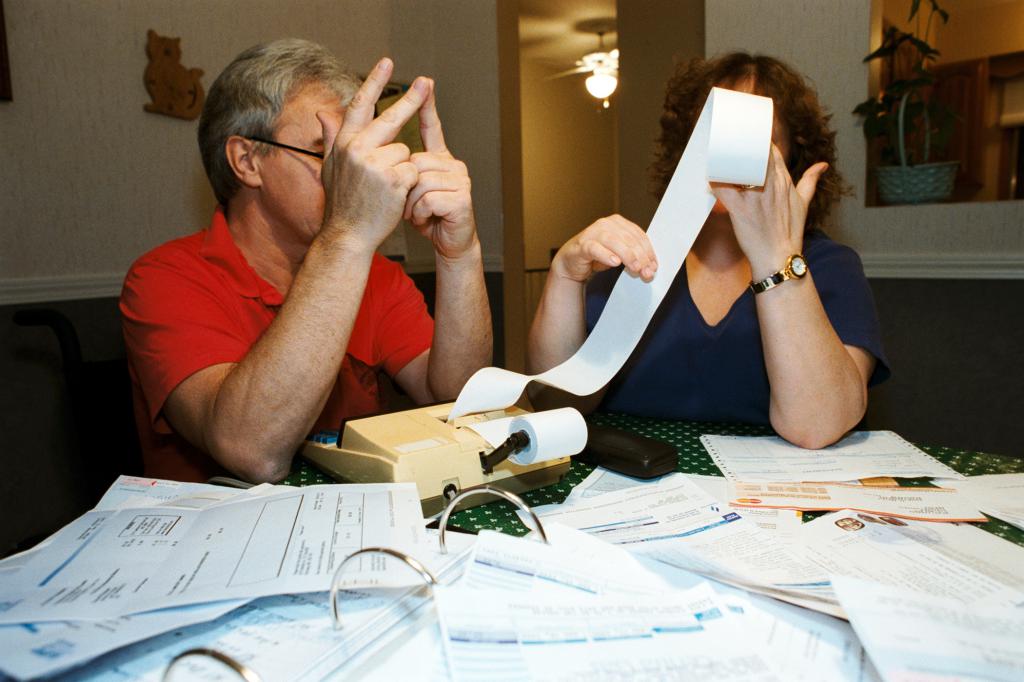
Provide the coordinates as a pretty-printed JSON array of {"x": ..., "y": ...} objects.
[{"x": 730, "y": 143}]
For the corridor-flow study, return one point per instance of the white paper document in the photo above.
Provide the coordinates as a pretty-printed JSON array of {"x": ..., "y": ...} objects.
[
  {"x": 115, "y": 563},
  {"x": 803, "y": 645},
  {"x": 783, "y": 524},
  {"x": 922, "y": 504},
  {"x": 978, "y": 550},
  {"x": 934, "y": 558},
  {"x": 678, "y": 523},
  {"x": 601, "y": 481},
  {"x": 136, "y": 491},
  {"x": 292, "y": 637},
  {"x": 998, "y": 495},
  {"x": 573, "y": 562},
  {"x": 492, "y": 634},
  {"x": 915, "y": 637},
  {"x": 42, "y": 649},
  {"x": 419, "y": 656},
  {"x": 862, "y": 454},
  {"x": 731, "y": 142}
]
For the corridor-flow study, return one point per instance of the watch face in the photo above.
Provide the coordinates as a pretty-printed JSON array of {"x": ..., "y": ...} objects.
[{"x": 799, "y": 266}]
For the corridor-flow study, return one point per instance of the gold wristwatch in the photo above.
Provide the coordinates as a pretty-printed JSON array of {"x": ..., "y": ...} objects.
[{"x": 796, "y": 267}]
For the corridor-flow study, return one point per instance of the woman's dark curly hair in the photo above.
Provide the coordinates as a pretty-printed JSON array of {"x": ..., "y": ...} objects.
[{"x": 796, "y": 107}]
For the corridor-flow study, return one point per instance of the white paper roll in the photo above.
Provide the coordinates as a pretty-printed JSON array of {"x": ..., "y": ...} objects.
[
  {"x": 553, "y": 434},
  {"x": 731, "y": 142}
]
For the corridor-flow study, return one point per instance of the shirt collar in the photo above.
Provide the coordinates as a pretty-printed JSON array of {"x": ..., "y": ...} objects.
[{"x": 220, "y": 250}]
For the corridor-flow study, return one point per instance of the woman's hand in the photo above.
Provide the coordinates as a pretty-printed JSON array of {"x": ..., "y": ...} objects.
[
  {"x": 608, "y": 243},
  {"x": 769, "y": 221}
]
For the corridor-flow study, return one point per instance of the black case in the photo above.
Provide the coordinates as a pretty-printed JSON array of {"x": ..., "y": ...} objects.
[{"x": 628, "y": 453}]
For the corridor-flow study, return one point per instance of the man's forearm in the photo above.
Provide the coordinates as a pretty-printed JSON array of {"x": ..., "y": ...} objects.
[
  {"x": 270, "y": 400},
  {"x": 463, "y": 340}
]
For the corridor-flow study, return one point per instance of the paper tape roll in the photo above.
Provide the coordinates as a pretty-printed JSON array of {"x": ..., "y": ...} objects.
[
  {"x": 731, "y": 142},
  {"x": 553, "y": 434}
]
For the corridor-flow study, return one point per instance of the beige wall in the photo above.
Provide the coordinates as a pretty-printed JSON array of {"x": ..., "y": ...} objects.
[
  {"x": 89, "y": 180},
  {"x": 978, "y": 30},
  {"x": 653, "y": 36},
  {"x": 456, "y": 42},
  {"x": 568, "y": 159},
  {"x": 975, "y": 29},
  {"x": 826, "y": 41}
]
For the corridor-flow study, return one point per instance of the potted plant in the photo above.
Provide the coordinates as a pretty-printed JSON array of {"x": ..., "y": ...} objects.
[{"x": 910, "y": 124}]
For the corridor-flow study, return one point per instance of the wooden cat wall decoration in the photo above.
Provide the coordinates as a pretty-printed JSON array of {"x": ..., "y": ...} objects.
[{"x": 175, "y": 90}]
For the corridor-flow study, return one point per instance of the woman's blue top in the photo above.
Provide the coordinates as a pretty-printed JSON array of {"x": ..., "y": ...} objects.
[{"x": 684, "y": 368}]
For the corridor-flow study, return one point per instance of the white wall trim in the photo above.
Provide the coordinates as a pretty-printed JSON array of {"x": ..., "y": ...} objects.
[
  {"x": 944, "y": 266},
  {"x": 61, "y": 288},
  {"x": 899, "y": 266},
  {"x": 16, "y": 291}
]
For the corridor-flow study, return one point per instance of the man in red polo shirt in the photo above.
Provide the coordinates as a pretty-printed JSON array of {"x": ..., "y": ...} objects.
[{"x": 276, "y": 320}]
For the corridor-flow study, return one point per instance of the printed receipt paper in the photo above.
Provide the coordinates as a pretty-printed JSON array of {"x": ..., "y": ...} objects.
[{"x": 730, "y": 143}]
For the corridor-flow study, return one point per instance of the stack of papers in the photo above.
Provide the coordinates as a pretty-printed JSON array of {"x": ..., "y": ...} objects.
[
  {"x": 863, "y": 454},
  {"x": 159, "y": 556},
  {"x": 674, "y": 521},
  {"x": 915, "y": 636},
  {"x": 922, "y": 504},
  {"x": 713, "y": 525},
  {"x": 580, "y": 608},
  {"x": 998, "y": 495},
  {"x": 704, "y": 577},
  {"x": 769, "y": 473}
]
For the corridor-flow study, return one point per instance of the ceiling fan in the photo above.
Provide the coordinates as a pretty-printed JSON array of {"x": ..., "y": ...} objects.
[{"x": 603, "y": 67}]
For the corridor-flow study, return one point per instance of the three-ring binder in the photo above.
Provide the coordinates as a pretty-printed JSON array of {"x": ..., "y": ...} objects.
[
  {"x": 244, "y": 671},
  {"x": 504, "y": 494},
  {"x": 429, "y": 579},
  {"x": 424, "y": 572}
]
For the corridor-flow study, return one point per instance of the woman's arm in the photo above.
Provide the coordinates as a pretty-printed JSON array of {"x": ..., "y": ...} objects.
[
  {"x": 818, "y": 385},
  {"x": 559, "y": 326}
]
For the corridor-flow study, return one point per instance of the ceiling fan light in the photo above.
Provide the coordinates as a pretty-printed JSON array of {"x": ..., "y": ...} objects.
[{"x": 601, "y": 85}]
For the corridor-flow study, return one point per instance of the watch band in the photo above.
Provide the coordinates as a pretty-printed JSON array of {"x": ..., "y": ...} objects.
[
  {"x": 795, "y": 268},
  {"x": 769, "y": 282}
]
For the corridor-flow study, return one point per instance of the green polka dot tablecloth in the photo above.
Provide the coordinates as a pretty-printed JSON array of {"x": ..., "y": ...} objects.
[{"x": 693, "y": 459}]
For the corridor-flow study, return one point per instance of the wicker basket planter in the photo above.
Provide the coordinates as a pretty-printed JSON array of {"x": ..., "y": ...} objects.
[
  {"x": 923, "y": 183},
  {"x": 920, "y": 183}
]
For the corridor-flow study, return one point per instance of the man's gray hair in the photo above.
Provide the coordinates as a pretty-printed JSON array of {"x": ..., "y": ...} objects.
[{"x": 248, "y": 96}]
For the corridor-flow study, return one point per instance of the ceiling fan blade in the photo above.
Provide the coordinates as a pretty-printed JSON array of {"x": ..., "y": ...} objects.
[{"x": 570, "y": 72}]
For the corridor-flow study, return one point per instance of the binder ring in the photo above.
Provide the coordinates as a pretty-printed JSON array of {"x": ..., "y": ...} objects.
[
  {"x": 244, "y": 671},
  {"x": 511, "y": 497},
  {"x": 424, "y": 572}
]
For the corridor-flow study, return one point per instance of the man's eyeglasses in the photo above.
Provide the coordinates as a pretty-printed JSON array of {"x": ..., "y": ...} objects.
[{"x": 282, "y": 145}]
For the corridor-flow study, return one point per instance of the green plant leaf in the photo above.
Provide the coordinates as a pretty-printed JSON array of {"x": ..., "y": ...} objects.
[
  {"x": 914, "y": 6},
  {"x": 941, "y": 12},
  {"x": 926, "y": 50}
]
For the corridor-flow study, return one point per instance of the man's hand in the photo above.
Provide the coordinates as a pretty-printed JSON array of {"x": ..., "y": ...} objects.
[
  {"x": 366, "y": 176},
  {"x": 608, "y": 243},
  {"x": 440, "y": 206},
  {"x": 769, "y": 222}
]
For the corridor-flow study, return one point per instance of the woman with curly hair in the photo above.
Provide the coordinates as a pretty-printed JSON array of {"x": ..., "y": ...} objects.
[{"x": 768, "y": 321}]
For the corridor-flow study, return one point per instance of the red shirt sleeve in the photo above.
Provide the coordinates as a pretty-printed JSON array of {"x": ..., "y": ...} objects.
[
  {"x": 175, "y": 325},
  {"x": 404, "y": 327}
]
